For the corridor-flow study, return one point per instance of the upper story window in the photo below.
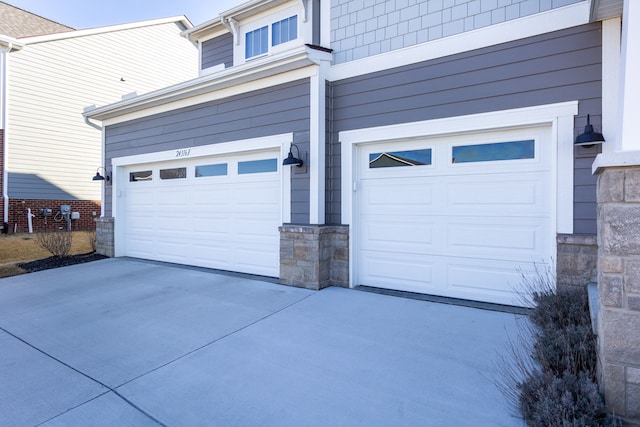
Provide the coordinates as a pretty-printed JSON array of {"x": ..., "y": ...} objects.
[
  {"x": 257, "y": 42},
  {"x": 284, "y": 31}
]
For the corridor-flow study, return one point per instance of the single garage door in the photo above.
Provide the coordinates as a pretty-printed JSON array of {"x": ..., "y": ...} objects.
[
  {"x": 462, "y": 216},
  {"x": 219, "y": 212}
]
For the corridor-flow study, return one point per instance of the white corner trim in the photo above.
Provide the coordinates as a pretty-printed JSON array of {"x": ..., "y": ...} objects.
[
  {"x": 559, "y": 116},
  {"x": 540, "y": 23},
  {"x": 615, "y": 159},
  {"x": 611, "y": 43}
]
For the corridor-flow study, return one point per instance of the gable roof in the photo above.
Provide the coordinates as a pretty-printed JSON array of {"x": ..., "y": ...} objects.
[{"x": 18, "y": 23}]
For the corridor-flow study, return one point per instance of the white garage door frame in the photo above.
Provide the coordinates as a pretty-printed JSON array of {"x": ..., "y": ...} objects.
[
  {"x": 120, "y": 164},
  {"x": 559, "y": 118}
]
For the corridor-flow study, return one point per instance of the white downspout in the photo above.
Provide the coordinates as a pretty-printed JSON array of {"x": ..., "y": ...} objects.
[{"x": 3, "y": 125}]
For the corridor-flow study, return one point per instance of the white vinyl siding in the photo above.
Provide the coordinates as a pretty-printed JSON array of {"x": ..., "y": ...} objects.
[{"x": 51, "y": 151}]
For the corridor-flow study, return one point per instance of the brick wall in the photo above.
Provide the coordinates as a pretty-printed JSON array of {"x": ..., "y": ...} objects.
[
  {"x": 18, "y": 211},
  {"x": 1, "y": 175}
]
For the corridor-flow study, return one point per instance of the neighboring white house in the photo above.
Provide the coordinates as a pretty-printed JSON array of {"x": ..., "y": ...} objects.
[{"x": 50, "y": 154}]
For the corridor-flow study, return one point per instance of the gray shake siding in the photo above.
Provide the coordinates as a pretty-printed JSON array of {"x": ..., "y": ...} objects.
[
  {"x": 554, "y": 67},
  {"x": 271, "y": 111},
  {"x": 365, "y": 28},
  {"x": 218, "y": 50}
]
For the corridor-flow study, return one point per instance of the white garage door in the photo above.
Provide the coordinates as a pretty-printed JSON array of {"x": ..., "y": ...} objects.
[
  {"x": 220, "y": 212},
  {"x": 461, "y": 216}
]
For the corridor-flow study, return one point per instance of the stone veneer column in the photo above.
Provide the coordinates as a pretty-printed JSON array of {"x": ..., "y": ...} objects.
[
  {"x": 619, "y": 288},
  {"x": 314, "y": 256},
  {"x": 104, "y": 236},
  {"x": 577, "y": 260}
]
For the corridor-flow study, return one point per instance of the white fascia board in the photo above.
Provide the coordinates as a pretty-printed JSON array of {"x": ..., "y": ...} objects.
[
  {"x": 238, "y": 79},
  {"x": 559, "y": 116},
  {"x": 540, "y": 23},
  {"x": 239, "y": 12},
  {"x": 108, "y": 29}
]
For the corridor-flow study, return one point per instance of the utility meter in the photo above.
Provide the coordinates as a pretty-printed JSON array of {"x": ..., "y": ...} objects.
[{"x": 65, "y": 209}]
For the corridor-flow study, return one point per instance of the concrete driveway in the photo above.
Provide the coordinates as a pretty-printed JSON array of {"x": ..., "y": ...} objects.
[{"x": 122, "y": 342}]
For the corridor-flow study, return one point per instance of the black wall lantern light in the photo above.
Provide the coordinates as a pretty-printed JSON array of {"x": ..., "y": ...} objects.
[
  {"x": 99, "y": 177},
  {"x": 589, "y": 137},
  {"x": 290, "y": 160}
]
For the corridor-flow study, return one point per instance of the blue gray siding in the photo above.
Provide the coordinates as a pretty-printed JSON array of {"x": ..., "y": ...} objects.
[
  {"x": 270, "y": 111},
  {"x": 218, "y": 50},
  {"x": 554, "y": 67},
  {"x": 365, "y": 28}
]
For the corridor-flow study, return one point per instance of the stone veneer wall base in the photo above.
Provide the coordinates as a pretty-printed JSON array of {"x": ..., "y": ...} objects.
[
  {"x": 314, "y": 256},
  {"x": 619, "y": 289},
  {"x": 104, "y": 236}
]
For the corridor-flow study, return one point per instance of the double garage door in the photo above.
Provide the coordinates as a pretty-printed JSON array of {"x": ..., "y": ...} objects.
[
  {"x": 221, "y": 212},
  {"x": 463, "y": 216}
]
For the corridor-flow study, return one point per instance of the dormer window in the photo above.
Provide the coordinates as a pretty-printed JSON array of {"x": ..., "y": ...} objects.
[
  {"x": 284, "y": 31},
  {"x": 257, "y": 41}
]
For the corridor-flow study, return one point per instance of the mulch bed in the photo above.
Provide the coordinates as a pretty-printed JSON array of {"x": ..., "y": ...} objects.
[{"x": 55, "y": 262}]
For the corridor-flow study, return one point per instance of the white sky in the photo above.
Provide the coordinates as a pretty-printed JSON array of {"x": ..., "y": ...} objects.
[{"x": 82, "y": 14}]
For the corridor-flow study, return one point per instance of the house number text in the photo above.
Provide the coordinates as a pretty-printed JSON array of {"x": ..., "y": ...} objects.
[{"x": 183, "y": 153}]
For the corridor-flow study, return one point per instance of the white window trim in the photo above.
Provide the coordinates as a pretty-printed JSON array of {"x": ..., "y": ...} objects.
[
  {"x": 280, "y": 142},
  {"x": 559, "y": 116}
]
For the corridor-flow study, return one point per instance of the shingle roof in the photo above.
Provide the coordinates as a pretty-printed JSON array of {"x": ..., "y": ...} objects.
[{"x": 18, "y": 23}]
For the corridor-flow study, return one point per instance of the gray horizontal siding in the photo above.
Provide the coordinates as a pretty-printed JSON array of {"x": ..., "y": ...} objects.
[
  {"x": 555, "y": 67},
  {"x": 271, "y": 111},
  {"x": 218, "y": 50}
]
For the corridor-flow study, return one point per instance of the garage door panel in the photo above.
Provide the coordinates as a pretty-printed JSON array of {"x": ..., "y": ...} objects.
[
  {"x": 384, "y": 198},
  {"x": 487, "y": 238},
  {"x": 412, "y": 234},
  {"x": 506, "y": 193},
  {"x": 390, "y": 270}
]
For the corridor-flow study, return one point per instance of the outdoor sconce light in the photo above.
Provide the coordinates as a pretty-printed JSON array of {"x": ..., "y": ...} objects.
[
  {"x": 589, "y": 137},
  {"x": 290, "y": 160},
  {"x": 99, "y": 177}
]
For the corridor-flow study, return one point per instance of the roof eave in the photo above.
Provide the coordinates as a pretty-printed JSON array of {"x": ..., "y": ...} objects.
[
  {"x": 288, "y": 61},
  {"x": 238, "y": 12}
]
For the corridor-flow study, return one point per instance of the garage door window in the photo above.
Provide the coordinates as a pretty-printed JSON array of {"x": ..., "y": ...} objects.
[
  {"x": 174, "y": 173},
  {"x": 219, "y": 169},
  {"x": 140, "y": 176},
  {"x": 394, "y": 159},
  {"x": 515, "y": 150},
  {"x": 258, "y": 166}
]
